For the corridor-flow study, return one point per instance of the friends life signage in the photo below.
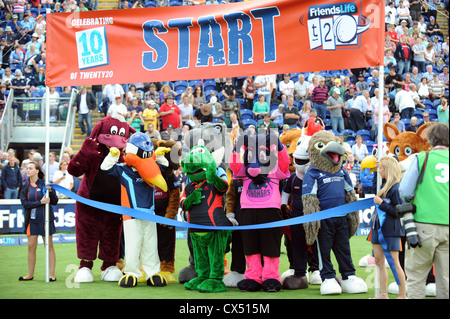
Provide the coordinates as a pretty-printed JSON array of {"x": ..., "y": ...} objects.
[{"x": 212, "y": 41}]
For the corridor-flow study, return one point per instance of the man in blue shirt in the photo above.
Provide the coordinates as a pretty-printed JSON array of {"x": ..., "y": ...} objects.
[{"x": 358, "y": 110}]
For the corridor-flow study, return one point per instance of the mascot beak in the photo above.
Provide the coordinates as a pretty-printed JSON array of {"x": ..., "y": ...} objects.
[
  {"x": 147, "y": 169},
  {"x": 333, "y": 152},
  {"x": 369, "y": 162}
]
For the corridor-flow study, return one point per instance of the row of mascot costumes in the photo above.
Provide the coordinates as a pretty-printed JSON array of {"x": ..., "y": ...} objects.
[{"x": 266, "y": 180}]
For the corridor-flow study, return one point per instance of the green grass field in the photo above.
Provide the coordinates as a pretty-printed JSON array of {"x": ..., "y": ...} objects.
[{"x": 15, "y": 265}]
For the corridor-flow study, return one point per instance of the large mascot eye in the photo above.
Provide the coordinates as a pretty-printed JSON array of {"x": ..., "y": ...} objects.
[
  {"x": 114, "y": 129},
  {"x": 408, "y": 151},
  {"x": 375, "y": 152},
  {"x": 319, "y": 145},
  {"x": 397, "y": 151},
  {"x": 122, "y": 131}
]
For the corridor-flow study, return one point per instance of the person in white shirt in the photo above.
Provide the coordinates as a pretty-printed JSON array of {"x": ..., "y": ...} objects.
[
  {"x": 264, "y": 86},
  {"x": 187, "y": 111},
  {"x": 301, "y": 89},
  {"x": 405, "y": 104},
  {"x": 286, "y": 87},
  {"x": 117, "y": 108},
  {"x": 63, "y": 178},
  {"x": 111, "y": 91},
  {"x": 390, "y": 13}
]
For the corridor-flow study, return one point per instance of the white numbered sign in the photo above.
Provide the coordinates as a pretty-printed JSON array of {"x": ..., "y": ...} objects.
[{"x": 92, "y": 48}]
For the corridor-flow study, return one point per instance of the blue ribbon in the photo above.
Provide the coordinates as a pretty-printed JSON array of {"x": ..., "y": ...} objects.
[
  {"x": 382, "y": 217},
  {"x": 324, "y": 214}
]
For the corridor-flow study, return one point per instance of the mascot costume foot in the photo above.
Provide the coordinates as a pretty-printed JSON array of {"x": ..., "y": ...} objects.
[{"x": 202, "y": 200}]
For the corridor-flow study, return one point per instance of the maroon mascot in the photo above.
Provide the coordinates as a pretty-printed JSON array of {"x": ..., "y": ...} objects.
[{"x": 94, "y": 227}]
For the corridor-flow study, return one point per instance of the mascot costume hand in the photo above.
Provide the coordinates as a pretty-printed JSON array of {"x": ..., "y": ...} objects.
[
  {"x": 97, "y": 228},
  {"x": 325, "y": 185},
  {"x": 202, "y": 204},
  {"x": 138, "y": 177}
]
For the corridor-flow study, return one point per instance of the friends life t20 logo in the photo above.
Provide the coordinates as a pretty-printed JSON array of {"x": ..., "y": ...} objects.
[{"x": 334, "y": 26}]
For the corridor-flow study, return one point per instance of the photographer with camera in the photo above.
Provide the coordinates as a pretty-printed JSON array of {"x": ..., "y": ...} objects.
[{"x": 426, "y": 185}]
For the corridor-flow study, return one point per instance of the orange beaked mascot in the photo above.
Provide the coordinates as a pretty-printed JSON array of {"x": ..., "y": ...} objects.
[{"x": 138, "y": 176}]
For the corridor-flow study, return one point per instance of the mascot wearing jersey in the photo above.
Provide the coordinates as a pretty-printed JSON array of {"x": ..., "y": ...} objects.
[
  {"x": 202, "y": 204},
  {"x": 138, "y": 177},
  {"x": 326, "y": 185}
]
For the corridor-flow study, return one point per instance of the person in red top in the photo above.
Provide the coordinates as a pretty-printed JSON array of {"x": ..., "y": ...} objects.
[
  {"x": 391, "y": 31},
  {"x": 170, "y": 113}
]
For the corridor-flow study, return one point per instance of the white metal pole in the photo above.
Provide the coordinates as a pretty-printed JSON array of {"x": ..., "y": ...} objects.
[
  {"x": 47, "y": 171},
  {"x": 380, "y": 148}
]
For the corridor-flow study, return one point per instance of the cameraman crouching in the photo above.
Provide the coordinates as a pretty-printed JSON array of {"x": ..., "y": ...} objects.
[{"x": 431, "y": 198}]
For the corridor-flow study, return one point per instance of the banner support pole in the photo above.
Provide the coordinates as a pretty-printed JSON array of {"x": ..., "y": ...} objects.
[{"x": 47, "y": 206}]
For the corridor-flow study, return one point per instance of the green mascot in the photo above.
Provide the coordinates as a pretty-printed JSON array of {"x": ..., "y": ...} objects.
[{"x": 202, "y": 204}]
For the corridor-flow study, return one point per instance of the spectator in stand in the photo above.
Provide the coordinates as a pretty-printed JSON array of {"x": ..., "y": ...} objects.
[
  {"x": 423, "y": 89},
  {"x": 386, "y": 116},
  {"x": 361, "y": 85},
  {"x": 305, "y": 113},
  {"x": 11, "y": 178},
  {"x": 415, "y": 9},
  {"x": 416, "y": 77},
  {"x": 248, "y": 89},
  {"x": 53, "y": 166},
  {"x": 359, "y": 149},
  {"x": 199, "y": 97},
  {"x": 231, "y": 105},
  {"x": 150, "y": 115},
  {"x": 264, "y": 86},
  {"x": 286, "y": 87},
  {"x": 430, "y": 56},
  {"x": 433, "y": 28},
  {"x": 389, "y": 60},
  {"x": 373, "y": 81},
  {"x": 403, "y": 55},
  {"x": 388, "y": 43},
  {"x": 165, "y": 91},
  {"x": 393, "y": 81},
  {"x": 63, "y": 178},
  {"x": 170, "y": 113},
  {"x": 442, "y": 111},
  {"x": 319, "y": 98},
  {"x": 419, "y": 55},
  {"x": 118, "y": 108},
  {"x": 152, "y": 94},
  {"x": 110, "y": 91},
  {"x": 290, "y": 114},
  {"x": 404, "y": 103},
  {"x": 426, "y": 118},
  {"x": 85, "y": 105},
  {"x": 277, "y": 116},
  {"x": 335, "y": 104},
  {"x": 413, "y": 125},
  {"x": 187, "y": 111},
  {"x": 134, "y": 114},
  {"x": 203, "y": 114},
  {"x": 301, "y": 89},
  {"x": 437, "y": 88},
  {"x": 400, "y": 125},
  {"x": 415, "y": 96},
  {"x": 227, "y": 88},
  {"x": 358, "y": 111},
  {"x": 443, "y": 77},
  {"x": 260, "y": 108},
  {"x": 390, "y": 13}
]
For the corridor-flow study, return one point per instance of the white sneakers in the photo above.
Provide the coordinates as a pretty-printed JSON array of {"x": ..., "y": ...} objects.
[
  {"x": 352, "y": 285},
  {"x": 111, "y": 273}
]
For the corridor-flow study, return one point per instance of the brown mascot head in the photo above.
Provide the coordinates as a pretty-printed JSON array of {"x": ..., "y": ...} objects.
[{"x": 326, "y": 152}]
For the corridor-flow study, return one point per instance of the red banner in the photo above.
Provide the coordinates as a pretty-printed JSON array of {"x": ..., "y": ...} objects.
[{"x": 211, "y": 41}]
